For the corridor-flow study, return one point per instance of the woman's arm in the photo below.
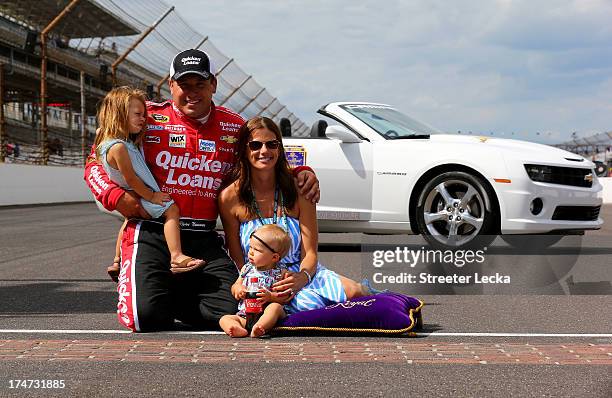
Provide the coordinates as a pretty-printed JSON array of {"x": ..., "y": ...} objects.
[
  {"x": 238, "y": 290},
  {"x": 310, "y": 241},
  {"x": 228, "y": 201},
  {"x": 119, "y": 158},
  {"x": 310, "y": 236}
]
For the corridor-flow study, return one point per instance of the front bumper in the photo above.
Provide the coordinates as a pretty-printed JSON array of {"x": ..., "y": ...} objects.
[{"x": 516, "y": 199}]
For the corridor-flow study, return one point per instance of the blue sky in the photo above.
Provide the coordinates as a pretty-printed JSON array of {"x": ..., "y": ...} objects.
[{"x": 502, "y": 66}]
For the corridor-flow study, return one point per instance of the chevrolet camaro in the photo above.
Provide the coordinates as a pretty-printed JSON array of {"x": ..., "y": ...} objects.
[{"x": 381, "y": 171}]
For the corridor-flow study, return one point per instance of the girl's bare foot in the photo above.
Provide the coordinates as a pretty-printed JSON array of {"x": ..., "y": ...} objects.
[
  {"x": 258, "y": 331},
  {"x": 237, "y": 331}
]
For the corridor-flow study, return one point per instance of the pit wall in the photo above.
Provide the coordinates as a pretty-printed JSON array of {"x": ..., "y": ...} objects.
[{"x": 27, "y": 184}]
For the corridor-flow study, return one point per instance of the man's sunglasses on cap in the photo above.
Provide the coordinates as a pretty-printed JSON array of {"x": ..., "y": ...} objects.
[{"x": 257, "y": 145}]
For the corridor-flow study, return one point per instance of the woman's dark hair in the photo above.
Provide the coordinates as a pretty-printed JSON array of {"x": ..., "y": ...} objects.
[{"x": 242, "y": 169}]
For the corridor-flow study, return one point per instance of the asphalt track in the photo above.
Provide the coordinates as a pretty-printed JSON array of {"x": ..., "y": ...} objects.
[{"x": 57, "y": 322}]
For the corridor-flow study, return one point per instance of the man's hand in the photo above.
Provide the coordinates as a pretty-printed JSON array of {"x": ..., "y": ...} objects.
[
  {"x": 129, "y": 206},
  {"x": 308, "y": 184}
]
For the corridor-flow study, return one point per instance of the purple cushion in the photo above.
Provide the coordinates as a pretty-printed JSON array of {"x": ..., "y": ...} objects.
[{"x": 387, "y": 313}]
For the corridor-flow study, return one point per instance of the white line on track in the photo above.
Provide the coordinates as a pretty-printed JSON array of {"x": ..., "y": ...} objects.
[
  {"x": 418, "y": 334},
  {"x": 443, "y": 334},
  {"x": 103, "y": 331}
]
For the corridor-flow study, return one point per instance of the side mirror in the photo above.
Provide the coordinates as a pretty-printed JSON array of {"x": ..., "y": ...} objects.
[{"x": 341, "y": 133}]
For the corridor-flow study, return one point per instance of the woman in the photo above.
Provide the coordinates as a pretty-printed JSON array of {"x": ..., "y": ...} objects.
[{"x": 263, "y": 192}]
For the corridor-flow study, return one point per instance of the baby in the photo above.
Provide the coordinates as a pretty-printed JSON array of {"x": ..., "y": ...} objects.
[{"x": 267, "y": 246}]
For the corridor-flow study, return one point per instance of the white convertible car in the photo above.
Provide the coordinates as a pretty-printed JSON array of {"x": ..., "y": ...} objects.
[{"x": 383, "y": 172}]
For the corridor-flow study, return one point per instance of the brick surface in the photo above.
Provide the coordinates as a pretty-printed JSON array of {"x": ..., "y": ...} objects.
[{"x": 247, "y": 350}]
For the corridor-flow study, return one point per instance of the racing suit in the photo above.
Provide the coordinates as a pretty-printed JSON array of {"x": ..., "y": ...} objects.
[{"x": 189, "y": 161}]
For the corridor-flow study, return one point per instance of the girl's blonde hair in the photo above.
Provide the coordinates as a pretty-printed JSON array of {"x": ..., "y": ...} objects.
[{"x": 113, "y": 115}]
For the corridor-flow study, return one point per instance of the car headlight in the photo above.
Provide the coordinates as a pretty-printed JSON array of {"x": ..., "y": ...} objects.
[{"x": 539, "y": 173}]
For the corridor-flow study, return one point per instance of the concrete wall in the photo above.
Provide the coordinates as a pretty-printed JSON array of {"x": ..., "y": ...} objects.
[
  {"x": 26, "y": 184},
  {"x": 607, "y": 191}
]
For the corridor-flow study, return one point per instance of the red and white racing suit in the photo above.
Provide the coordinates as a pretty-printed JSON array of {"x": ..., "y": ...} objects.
[{"x": 189, "y": 161}]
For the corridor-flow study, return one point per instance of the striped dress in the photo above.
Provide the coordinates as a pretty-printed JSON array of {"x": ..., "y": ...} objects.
[{"x": 325, "y": 288}]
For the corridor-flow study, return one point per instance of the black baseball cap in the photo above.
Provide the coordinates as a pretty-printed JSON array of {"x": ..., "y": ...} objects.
[{"x": 191, "y": 62}]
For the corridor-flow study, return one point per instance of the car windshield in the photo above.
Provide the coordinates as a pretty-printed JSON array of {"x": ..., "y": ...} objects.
[{"x": 388, "y": 122}]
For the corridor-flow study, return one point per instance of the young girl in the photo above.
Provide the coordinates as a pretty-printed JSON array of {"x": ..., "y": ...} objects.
[
  {"x": 122, "y": 117},
  {"x": 268, "y": 245}
]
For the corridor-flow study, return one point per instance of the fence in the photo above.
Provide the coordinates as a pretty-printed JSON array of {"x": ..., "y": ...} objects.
[
  {"x": 140, "y": 60},
  {"x": 172, "y": 34}
]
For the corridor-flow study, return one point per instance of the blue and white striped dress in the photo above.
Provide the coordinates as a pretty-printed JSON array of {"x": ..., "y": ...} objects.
[{"x": 326, "y": 286}]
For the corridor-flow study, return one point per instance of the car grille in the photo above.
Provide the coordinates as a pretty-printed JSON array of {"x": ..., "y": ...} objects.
[
  {"x": 573, "y": 176},
  {"x": 576, "y": 213}
]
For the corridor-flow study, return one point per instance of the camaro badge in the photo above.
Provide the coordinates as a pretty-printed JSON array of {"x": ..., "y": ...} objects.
[
  {"x": 206, "y": 146},
  {"x": 296, "y": 155},
  {"x": 230, "y": 139},
  {"x": 177, "y": 140}
]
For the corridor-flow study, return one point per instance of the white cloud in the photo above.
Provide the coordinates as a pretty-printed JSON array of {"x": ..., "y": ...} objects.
[{"x": 473, "y": 65}]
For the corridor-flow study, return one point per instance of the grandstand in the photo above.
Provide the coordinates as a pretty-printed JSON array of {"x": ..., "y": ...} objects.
[
  {"x": 64, "y": 55},
  {"x": 599, "y": 143},
  {"x": 597, "y": 147}
]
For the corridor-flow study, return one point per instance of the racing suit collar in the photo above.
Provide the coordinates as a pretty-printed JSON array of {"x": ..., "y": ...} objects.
[{"x": 193, "y": 121}]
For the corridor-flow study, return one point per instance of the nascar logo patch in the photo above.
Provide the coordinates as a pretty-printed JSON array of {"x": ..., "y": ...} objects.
[{"x": 160, "y": 118}]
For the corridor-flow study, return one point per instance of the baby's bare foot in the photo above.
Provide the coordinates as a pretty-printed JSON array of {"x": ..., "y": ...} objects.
[
  {"x": 258, "y": 331},
  {"x": 237, "y": 331}
]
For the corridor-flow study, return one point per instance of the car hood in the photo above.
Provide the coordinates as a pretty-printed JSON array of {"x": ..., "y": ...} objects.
[{"x": 526, "y": 152}]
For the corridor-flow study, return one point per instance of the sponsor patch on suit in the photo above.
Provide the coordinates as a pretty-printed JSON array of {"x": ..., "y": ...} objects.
[
  {"x": 230, "y": 139},
  {"x": 206, "y": 145},
  {"x": 177, "y": 140},
  {"x": 160, "y": 118}
]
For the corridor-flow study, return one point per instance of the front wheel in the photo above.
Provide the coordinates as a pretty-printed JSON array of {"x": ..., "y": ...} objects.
[{"x": 455, "y": 210}]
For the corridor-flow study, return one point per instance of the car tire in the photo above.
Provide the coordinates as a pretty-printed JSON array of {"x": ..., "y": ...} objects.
[{"x": 448, "y": 220}]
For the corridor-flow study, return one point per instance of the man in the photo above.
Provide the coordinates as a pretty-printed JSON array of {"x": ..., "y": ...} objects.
[{"x": 189, "y": 147}]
